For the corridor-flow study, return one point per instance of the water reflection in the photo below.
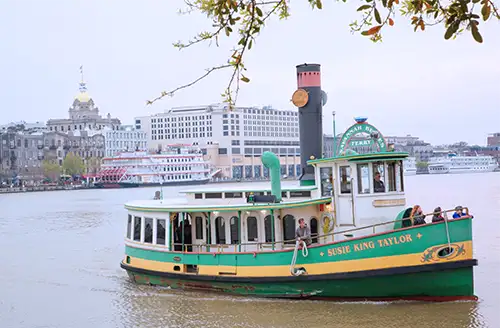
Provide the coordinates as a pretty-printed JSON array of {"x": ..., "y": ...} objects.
[{"x": 154, "y": 307}]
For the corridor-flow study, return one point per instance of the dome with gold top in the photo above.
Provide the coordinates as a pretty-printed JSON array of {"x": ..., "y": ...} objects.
[{"x": 83, "y": 95}]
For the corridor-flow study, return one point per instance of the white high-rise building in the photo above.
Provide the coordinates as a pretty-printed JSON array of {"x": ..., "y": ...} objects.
[
  {"x": 127, "y": 138},
  {"x": 232, "y": 140}
]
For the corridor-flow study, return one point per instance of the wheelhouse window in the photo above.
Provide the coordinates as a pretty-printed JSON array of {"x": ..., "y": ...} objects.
[
  {"x": 401, "y": 176},
  {"x": 129, "y": 227},
  {"x": 391, "y": 176},
  {"x": 160, "y": 231},
  {"x": 220, "y": 232},
  {"x": 137, "y": 228},
  {"x": 148, "y": 230},
  {"x": 345, "y": 179},
  {"x": 378, "y": 177},
  {"x": 233, "y": 224},
  {"x": 363, "y": 179},
  {"x": 326, "y": 176},
  {"x": 198, "y": 221},
  {"x": 252, "y": 228}
]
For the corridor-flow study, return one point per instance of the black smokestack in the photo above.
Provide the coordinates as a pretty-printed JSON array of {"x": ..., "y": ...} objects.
[{"x": 310, "y": 105}]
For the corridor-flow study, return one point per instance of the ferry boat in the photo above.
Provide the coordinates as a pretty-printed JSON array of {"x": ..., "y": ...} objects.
[
  {"x": 364, "y": 244},
  {"x": 462, "y": 164},
  {"x": 176, "y": 165},
  {"x": 410, "y": 166}
]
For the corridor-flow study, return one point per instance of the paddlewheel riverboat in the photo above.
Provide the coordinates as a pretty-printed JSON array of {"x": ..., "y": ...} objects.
[{"x": 365, "y": 244}]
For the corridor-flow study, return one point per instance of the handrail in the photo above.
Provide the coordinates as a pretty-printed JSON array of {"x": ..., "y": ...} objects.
[{"x": 283, "y": 242}]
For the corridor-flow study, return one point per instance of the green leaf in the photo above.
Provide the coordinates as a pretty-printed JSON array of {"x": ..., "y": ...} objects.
[
  {"x": 384, "y": 3},
  {"x": 451, "y": 30},
  {"x": 319, "y": 4},
  {"x": 475, "y": 33},
  {"x": 377, "y": 16},
  {"x": 228, "y": 30},
  {"x": 364, "y": 7},
  {"x": 250, "y": 45},
  {"x": 259, "y": 12},
  {"x": 486, "y": 11},
  {"x": 245, "y": 79}
]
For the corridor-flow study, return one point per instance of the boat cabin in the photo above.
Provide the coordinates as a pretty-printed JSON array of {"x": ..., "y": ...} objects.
[{"x": 354, "y": 195}]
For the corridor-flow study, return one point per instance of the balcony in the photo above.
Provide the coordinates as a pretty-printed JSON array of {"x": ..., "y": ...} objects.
[
  {"x": 66, "y": 147},
  {"x": 53, "y": 147}
]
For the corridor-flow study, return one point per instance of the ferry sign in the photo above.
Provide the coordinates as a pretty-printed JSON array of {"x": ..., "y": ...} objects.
[{"x": 360, "y": 128}]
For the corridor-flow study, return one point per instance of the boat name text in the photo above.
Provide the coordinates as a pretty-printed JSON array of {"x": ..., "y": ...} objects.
[{"x": 366, "y": 245}]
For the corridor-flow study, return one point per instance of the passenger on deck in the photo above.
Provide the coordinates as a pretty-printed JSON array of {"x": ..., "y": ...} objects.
[
  {"x": 459, "y": 212},
  {"x": 378, "y": 185},
  {"x": 417, "y": 215},
  {"x": 303, "y": 233},
  {"x": 157, "y": 195},
  {"x": 438, "y": 215}
]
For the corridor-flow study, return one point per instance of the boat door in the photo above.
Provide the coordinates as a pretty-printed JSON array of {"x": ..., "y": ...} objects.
[
  {"x": 345, "y": 199},
  {"x": 226, "y": 234}
]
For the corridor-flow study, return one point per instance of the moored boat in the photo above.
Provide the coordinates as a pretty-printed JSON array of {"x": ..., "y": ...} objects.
[{"x": 364, "y": 243}]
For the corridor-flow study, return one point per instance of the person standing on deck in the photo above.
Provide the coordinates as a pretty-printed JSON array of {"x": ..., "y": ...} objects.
[{"x": 303, "y": 233}]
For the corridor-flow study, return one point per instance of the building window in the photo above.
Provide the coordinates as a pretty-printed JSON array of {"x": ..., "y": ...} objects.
[
  {"x": 222, "y": 151},
  {"x": 236, "y": 151}
]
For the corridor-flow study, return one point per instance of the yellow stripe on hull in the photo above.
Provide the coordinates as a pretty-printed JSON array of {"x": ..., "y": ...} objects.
[{"x": 312, "y": 269}]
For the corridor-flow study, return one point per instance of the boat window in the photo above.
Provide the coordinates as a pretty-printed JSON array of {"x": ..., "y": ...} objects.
[
  {"x": 137, "y": 228},
  {"x": 268, "y": 228},
  {"x": 233, "y": 195},
  {"x": 300, "y": 194},
  {"x": 363, "y": 179},
  {"x": 198, "y": 221},
  {"x": 345, "y": 179},
  {"x": 129, "y": 227},
  {"x": 213, "y": 195},
  {"x": 252, "y": 228},
  {"x": 314, "y": 229},
  {"x": 198, "y": 196},
  {"x": 233, "y": 224},
  {"x": 391, "y": 176},
  {"x": 283, "y": 194},
  {"x": 148, "y": 230},
  {"x": 326, "y": 176},
  {"x": 160, "y": 232},
  {"x": 289, "y": 229},
  {"x": 220, "y": 232},
  {"x": 378, "y": 167},
  {"x": 401, "y": 176}
]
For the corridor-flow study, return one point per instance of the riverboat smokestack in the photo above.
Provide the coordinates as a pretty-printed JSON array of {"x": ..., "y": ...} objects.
[{"x": 309, "y": 99}]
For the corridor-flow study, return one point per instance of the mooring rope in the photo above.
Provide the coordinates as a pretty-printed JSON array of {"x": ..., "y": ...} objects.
[{"x": 305, "y": 252}]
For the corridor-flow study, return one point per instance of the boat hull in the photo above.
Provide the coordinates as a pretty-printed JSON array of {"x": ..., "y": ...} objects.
[
  {"x": 442, "y": 282},
  {"x": 405, "y": 263}
]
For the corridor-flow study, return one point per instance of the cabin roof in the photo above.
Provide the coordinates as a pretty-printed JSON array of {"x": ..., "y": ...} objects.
[
  {"x": 370, "y": 157},
  {"x": 247, "y": 188},
  {"x": 219, "y": 205}
]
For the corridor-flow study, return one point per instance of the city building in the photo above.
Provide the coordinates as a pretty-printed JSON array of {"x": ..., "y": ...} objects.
[
  {"x": 25, "y": 126},
  {"x": 231, "y": 140},
  {"x": 83, "y": 115},
  {"x": 493, "y": 140},
  {"x": 126, "y": 138}
]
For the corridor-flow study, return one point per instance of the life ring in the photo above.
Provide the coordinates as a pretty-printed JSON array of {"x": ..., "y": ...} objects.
[{"x": 327, "y": 222}]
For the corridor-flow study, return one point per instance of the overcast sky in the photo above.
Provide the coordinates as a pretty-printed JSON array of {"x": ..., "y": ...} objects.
[{"x": 412, "y": 83}]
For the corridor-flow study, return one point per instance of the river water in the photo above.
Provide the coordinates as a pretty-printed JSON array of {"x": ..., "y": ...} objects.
[{"x": 60, "y": 253}]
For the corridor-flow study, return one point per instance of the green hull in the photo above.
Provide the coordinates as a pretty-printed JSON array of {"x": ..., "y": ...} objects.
[
  {"x": 406, "y": 263},
  {"x": 442, "y": 285}
]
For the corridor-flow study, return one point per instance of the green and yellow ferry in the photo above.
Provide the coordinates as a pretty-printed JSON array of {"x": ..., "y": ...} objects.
[{"x": 365, "y": 245}]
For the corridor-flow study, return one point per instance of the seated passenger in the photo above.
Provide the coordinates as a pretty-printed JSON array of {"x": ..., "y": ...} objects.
[
  {"x": 417, "y": 215},
  {"x": 459, "y": 212},
  {"x": 303, "y": 233},
  {"x": 438, "y": 215},
  {"x": 378, "y": 185}
]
